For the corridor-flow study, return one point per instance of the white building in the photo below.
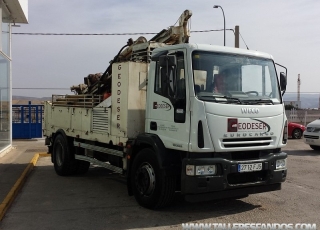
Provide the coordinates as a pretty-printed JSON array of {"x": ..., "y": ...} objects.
[{"x": 12, "y": 12}]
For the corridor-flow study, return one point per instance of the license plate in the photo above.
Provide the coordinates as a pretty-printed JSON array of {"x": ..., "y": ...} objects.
[
  {"x": 249, "y": 167},
  {"x": 309, "y": 141}
]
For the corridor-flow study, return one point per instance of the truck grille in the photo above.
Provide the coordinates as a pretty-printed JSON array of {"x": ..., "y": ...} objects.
[
  {"x": 311, "y": 137},
  {"x": 245, "y": 155},
  {"x": 248, "y": 177},
  {"x": 100, "y": 121},
  {"x": 246, "y": 142}
]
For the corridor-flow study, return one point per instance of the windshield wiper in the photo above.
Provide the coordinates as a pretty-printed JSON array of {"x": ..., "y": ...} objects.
[
  {"x": 257, "y": 101},
  {"x": 220, "y": 99}
]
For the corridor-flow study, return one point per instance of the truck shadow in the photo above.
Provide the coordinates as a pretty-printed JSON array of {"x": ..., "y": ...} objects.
[
  {"x": 100, "y": 197},
  {"x": 308, "y": 152},
  {"x": 215, "y": 208},
  {"x": 179, "y": 212}
]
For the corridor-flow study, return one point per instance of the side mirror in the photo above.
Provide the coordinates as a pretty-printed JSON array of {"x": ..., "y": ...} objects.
[{"x": 283, "y": 81}]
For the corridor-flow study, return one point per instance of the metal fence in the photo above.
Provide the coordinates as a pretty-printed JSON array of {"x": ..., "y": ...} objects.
[
  {"x": 302, "y": 116},
  {"x": 27, "y": 121}
]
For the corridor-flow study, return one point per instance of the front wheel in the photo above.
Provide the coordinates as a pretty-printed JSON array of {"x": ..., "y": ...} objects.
[
  {"x": 314, "y": 147},
  {"x": 151, "y": 188}
]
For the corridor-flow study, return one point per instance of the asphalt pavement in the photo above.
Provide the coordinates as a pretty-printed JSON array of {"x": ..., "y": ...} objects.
[{"x": 99, "y": 199}]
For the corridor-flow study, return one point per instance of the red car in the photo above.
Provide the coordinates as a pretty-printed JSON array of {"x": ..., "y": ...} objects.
[{"x": 295, "y": 130}]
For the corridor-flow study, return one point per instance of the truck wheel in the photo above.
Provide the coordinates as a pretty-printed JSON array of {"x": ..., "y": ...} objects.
[
  {"x": 314, "y": 147},
  {"x": 150, "y": 187},
  {"x": 63, "y": 161}
]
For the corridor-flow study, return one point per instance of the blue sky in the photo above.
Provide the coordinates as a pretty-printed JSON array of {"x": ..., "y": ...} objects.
[{"x": 289, "y": 30}]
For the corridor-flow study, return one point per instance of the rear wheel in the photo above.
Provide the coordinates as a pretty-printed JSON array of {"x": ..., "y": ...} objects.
[
  {"x": 63, "y": 159},
  {"x": 314, "y": 147},
  {"x": 297, "y": 134},
  {"x": 150, "y": 187}
]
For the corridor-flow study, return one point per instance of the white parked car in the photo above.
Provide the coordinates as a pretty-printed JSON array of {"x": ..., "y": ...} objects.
[{"x": 311, "y": 135}]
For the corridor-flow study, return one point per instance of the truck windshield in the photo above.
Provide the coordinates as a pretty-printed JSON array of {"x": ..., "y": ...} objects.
[{"x": 229, "y": 78}]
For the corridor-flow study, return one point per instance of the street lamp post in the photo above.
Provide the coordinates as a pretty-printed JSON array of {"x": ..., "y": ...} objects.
[{"x": 224, "y": 23}]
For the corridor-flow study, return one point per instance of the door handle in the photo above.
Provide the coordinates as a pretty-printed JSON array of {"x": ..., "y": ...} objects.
[{"x": 153, "y": 125}]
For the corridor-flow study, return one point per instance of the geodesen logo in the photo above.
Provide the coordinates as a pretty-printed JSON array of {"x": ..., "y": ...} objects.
[
  {"x": 257, "y": 125},
  {"x": 163, "y": 105}
]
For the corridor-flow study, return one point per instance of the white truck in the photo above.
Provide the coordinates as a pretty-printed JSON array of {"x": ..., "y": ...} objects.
[{"x": 203, "y": 120}]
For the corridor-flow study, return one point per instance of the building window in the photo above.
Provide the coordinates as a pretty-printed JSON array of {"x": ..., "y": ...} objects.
[
  {"x": 5, "y": 33},
  {"x": 4, "y": 103}
]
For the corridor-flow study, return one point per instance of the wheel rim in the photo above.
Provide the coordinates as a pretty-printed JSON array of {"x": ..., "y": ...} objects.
[
  {"x": 297, "y": 133},
  {"x": 145, "y": 179},
  {"x": 59, "y": 155}
]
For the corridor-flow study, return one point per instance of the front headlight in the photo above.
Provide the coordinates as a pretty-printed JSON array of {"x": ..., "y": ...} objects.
[
  {"x": 205, "y": 170},
  {"x": 316, "y": 130},
  {"x": 200, "y": 170},
  {"x": 281, "y": 164},
  {"x": 313, "y": 129}
]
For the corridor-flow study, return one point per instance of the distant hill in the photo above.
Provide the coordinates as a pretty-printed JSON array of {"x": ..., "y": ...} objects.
[
  {"x": 22, "y": 100},
  {"x": 307, "y": 100},
  {"x": 31, "y": 98}
]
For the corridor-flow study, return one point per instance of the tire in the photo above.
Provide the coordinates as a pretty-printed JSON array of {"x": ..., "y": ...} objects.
[
  {"x": 63, "y": 159},
  {"x": 315, "y": 147},
  {"x": 297, "y": 134},
  {"x": 151, "y": 188}
]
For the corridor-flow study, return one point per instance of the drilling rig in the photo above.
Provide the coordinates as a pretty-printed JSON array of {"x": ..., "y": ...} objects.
[{"x": 139, "y": 50}]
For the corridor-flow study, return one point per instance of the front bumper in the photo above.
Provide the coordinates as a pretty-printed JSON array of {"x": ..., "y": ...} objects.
[
  {"x": 311, "y": 138},
  {"x": 228, "y": 182}
]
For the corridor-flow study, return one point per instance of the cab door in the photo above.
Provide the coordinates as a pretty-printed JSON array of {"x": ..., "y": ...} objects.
[{"x": 167, "y": 107}]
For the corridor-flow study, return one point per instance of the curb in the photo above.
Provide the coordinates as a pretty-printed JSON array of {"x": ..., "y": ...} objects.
[{"x": 5, "y": 204}]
